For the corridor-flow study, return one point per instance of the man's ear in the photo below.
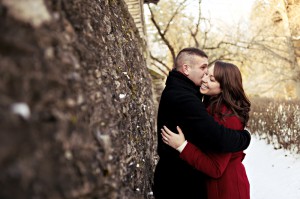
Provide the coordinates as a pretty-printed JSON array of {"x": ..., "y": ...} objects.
[{"x": 185, "y": 69}]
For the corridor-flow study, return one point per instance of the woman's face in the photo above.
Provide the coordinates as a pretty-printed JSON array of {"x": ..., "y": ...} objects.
[{"x": 209, "y": 85}]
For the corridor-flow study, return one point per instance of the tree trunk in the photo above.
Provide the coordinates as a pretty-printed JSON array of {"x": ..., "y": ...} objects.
[{"x": 76, "y": 108}]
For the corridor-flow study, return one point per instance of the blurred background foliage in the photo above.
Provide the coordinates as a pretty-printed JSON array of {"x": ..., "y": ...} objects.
[{"x": 264, "y": 44}]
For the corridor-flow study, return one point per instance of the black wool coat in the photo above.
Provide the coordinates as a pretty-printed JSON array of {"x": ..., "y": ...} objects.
[{"x": 181, "y": 105}]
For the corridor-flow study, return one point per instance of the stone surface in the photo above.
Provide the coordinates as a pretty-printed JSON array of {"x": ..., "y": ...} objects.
[{"x": 86, "y": 124}]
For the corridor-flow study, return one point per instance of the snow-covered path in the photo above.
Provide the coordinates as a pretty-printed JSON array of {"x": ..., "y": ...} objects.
[{"x": 273, "y": 174}]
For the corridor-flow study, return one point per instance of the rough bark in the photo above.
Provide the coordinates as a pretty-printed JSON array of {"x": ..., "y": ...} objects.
[{"x": 78, "y": 67}]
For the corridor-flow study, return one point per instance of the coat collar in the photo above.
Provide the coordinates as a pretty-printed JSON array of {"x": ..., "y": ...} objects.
[{"x": 177, "y": 79}]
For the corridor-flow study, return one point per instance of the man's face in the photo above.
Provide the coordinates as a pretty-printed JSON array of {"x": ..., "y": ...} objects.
[{"x": 197, "y": 69}]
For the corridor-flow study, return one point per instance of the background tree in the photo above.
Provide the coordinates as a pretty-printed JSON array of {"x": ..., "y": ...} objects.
[
  {"x": 262, "y": 48},
  {"x": 173, "y": 28},
  {"x": 273, "y": 52}
]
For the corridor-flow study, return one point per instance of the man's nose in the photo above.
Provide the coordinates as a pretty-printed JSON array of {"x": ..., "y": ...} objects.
[{"x": 204, "y": 78}]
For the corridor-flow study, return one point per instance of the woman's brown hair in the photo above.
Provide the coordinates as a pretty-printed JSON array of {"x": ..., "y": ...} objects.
[{"x": 232, "y": 95}]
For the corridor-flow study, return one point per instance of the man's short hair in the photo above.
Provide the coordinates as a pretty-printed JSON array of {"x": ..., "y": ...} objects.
[{"x": 187, "y": 52}]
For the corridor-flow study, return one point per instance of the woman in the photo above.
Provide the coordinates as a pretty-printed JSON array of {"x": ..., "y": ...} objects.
[{"x": 227, "y": 103}]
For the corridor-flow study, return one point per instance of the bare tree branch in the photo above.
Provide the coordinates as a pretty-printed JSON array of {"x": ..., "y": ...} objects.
[
  {"x": 161, "y": 32},
  {"x": 222, "y": 57},
  {"x": 267, "y": 48},
  {"x": 161, "y": 70},
  {"x": 206, "y": 33},
  {"x": 271, "y": 51},
  {"x": 159, "y": 61},
  {"x": 238, "y": 44},
  {"x": 177, "y": 11},
  {"x": 195, "y": 33},
  {"x": 274, "y": 85}
]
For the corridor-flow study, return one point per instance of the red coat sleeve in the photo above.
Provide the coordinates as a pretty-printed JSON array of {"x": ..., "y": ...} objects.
[{"x": 212, "y": 164}]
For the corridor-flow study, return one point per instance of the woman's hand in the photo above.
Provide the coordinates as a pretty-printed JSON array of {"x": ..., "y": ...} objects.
[{"x": 172, "y": 139}]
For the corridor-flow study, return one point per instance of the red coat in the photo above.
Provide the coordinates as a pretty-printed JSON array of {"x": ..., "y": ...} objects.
[{"x": 227, "y": 176}]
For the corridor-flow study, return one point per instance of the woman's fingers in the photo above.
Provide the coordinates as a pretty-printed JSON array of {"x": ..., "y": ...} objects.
[
  {"x": 168, "y": 131},
  {"x": 165, "y": 133},
  {"x": 164, "y": 137},
  {"x": 179, "y": 130},
  {"x": 165, "y": 140},
  {"x": 180, "y": 133}
]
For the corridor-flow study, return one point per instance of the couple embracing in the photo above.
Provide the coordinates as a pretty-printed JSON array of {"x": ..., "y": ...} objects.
[{"x": 208, "y": 108}]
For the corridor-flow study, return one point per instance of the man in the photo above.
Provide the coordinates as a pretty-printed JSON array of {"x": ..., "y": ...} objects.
[{"x": 181, "y": 105}]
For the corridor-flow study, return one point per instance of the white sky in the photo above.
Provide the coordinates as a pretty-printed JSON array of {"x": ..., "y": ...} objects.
[{"x": 229, "y": 11}]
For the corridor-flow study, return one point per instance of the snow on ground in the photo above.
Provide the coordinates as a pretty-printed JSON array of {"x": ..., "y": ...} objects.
[{"x": 273, "y": 174}]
